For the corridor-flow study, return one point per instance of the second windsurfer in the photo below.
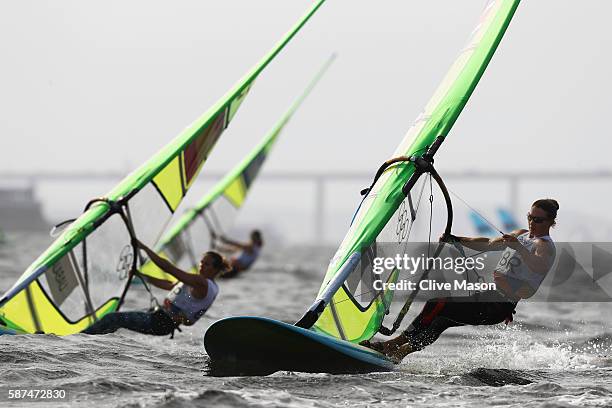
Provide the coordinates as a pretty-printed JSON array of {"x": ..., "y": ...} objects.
[{"x": 186, "y": 302}]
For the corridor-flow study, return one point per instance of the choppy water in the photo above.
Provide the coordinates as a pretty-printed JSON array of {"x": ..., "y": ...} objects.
[{"x": 554, "y": 355}]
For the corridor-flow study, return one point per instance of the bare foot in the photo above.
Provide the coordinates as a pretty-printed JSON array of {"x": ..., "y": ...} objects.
[
  {"x": 399, "y": 353},
  {"x": 396, "y": 349},
  {"x": 374, "y": 345},
  {"x": 384, "y": 347}
]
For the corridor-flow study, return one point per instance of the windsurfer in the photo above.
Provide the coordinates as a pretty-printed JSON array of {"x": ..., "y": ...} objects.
[
  {"x": 247, "y": 253},
  {"x": 528, "y": 256},
  {"x": 186, "y": 302}
]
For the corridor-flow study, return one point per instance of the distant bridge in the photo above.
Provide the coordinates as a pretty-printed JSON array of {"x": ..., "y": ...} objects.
[{"x": 513, "y": 180}]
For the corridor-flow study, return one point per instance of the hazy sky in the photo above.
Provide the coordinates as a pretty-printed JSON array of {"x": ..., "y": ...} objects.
[{"x": 101, "y": 86}]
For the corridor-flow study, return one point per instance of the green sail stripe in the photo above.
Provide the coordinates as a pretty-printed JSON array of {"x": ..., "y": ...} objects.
[
  {"x": 441, "y": 113},
  {"x": 88, "y": 221}
]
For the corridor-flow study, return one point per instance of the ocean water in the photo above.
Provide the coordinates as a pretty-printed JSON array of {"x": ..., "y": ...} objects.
[{"x": 553, "y": 355}]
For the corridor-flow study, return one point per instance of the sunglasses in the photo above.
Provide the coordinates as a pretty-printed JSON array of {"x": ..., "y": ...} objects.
[{"x": 536, "y": 220}]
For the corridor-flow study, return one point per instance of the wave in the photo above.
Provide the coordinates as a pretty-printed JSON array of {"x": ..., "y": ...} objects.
[
  {"x": 595, "y": 344},
  {"x": 208, "y": 398},
  {"x": 494, "y": 377}
]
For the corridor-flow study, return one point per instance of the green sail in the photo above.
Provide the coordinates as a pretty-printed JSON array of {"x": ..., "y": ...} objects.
[
  {"x": 86, "y": 272},
  {"x": 347, "y": 314},
  {"x": 195, "y": 231}
]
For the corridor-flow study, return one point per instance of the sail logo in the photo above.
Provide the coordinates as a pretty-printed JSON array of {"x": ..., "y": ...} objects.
[
  {"x": 403, "y": 222},
  {"x": 126, "y": 259},
  {"x": 62, "y": 279}
]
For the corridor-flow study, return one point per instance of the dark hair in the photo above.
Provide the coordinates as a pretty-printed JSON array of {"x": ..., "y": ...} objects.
[
  {"x": 550, "y": 206},
  {"x": 256, "y": 236},
  {"x": 219, "y": 261}
]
